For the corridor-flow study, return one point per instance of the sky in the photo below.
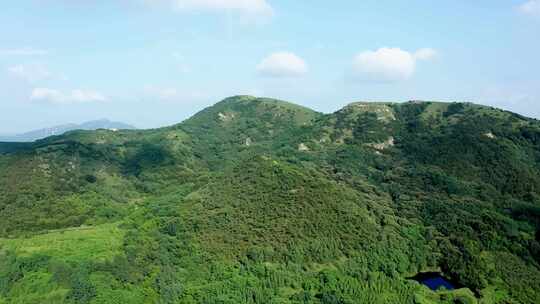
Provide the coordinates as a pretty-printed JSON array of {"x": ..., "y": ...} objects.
[{"x": 153, "y": 63}]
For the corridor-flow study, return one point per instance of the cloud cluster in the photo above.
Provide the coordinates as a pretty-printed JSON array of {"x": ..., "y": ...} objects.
[
  {"x": 59, "y": 97},
  {"x": 531, "y": 7},
  {"x": 35, "y": 74},
  {"x": 388, "y": 64},
  {"x": 282, "y": 64},
  {"x": 244, "y": 7}
]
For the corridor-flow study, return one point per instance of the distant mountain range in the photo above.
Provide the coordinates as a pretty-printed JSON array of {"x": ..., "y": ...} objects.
[{"x": 61, "y": 129}]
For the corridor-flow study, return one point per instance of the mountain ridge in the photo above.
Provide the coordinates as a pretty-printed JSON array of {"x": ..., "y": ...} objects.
[
  {"x": 254, "y": 200},
  {"x": 60, "y": 129}
]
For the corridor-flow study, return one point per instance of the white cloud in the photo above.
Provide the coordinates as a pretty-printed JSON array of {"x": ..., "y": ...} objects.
[
  {"x": 388, "y": 64},
  {"x": 23, "y": 52},
  {"x": 282, "y": 64},
  {"x": 531, "y": 7},
  {"x": 30, "y": 72},
  {"x": 244, "y": 7},
  {"x": 59, "y": 97},
  {"x": 425, "y": 54},
  {"x": 384, "y": 65}
]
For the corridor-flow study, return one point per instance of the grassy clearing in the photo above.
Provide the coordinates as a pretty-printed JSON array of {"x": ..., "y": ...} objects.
[
  {"x": 72, "y": 246},
  {"x": 96, "y": 243}
]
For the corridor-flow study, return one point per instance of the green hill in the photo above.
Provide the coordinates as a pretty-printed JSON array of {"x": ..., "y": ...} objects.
[{"x": 255, "y": 200}]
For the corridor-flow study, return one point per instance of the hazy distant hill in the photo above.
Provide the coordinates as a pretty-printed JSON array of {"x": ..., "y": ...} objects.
[
  {"x": 61, "y": 129},
  {"x": 256, "y": 201}
]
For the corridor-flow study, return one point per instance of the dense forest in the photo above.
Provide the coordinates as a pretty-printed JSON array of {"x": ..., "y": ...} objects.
[{"x": 255, "y": 200}]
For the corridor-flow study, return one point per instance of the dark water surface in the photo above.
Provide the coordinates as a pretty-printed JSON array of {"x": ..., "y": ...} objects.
[{"x": 434, "y": 280}]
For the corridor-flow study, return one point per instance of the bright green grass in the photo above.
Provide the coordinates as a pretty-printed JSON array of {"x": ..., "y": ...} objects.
[
  {"x": 96, "y": 243},
  {"x": 74, "y": 245},
  {"x": 36, "y": 287},
  {"x": 463, "y": 295}
]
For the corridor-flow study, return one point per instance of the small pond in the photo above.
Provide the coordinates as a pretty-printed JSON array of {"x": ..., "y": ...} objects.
[{"x": 434, "y": 280}]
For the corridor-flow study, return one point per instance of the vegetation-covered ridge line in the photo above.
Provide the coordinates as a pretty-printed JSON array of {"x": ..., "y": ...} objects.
[
  {"x": 255, "y": 200},
  {"x": 6, "y": 147}
]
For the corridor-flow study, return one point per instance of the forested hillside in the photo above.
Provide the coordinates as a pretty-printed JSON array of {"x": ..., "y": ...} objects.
[{"x": 256, "y": 200}]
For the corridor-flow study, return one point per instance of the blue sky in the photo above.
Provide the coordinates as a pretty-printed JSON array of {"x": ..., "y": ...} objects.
[{"x": 156, "y": 62}]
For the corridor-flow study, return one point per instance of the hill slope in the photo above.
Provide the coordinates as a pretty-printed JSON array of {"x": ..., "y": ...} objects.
[{"x": 255, "y": 200}]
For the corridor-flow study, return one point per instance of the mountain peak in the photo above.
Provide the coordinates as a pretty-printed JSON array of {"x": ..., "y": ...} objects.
[
  {"x": 239, "y": 98},
  {"x": 243, "y": 107},
  {"x": 383, "y": 110}
]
